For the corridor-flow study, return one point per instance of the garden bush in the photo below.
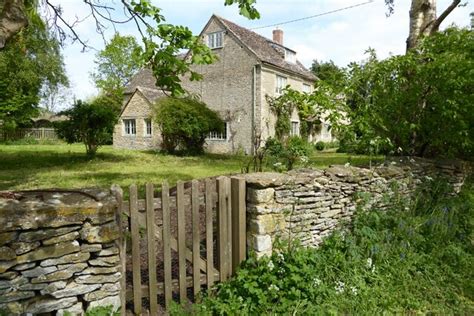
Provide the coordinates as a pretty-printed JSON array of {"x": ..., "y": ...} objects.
[
  {"x": 283, "y": 156},
  {"x": 185, "y": 124},
  {"x": 320, "y": 145},
  {"x": 91, "y": 123},
  {"x": 415, "y": 258}
]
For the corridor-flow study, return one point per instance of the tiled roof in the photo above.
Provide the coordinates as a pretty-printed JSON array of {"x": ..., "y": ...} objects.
[
  {"x": 143, "y": 78},
  {"x": 265, "y": 49}
]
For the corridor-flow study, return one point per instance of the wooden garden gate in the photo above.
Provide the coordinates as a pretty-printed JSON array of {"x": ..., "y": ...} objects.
[{"x": 182, "y": 240}]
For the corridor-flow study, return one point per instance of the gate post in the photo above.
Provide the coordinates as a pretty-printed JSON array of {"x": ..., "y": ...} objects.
[{"x": 239, "y": 225}]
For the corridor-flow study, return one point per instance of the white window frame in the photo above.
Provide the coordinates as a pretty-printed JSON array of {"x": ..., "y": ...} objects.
[
  {"x": 306, "y": 88},
  {"x": 129, "y": 127},
  {"x": 148, "y": 128},
  {"x": 295, "y": 128},
  {"x": 215, "y": 40},
  {"x": 281, "y": 83},
  {"x": 290, "y": 56},
  {"x": 220, "y": 136}
]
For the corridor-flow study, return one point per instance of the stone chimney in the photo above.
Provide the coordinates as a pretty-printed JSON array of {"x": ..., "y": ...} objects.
[{"x": 278, "y": 36}]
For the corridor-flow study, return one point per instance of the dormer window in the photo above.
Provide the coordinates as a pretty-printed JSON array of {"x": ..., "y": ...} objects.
[
  {"x": 215, "y": 40},
  {"x": 290, "y": 56}
]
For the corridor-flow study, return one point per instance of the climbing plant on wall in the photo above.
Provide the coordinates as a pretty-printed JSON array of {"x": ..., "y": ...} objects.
[{"x": 311, "y": 108}]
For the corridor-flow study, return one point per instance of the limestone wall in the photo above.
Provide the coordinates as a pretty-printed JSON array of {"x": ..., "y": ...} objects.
[
  {"x": 58, "y": 251},
  {"x": 309, "y": 204}
]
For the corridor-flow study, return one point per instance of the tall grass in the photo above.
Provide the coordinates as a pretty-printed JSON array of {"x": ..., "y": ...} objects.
[{"x": 415, "y": 258}]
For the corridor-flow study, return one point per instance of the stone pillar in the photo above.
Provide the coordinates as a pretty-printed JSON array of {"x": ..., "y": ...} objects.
[
  {"x": 265, "y": 218},
  {"x": 58, "y": 251}
]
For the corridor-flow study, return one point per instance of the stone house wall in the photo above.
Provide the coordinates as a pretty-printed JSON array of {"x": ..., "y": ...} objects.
[
  {"x": 269, "y": 83},
  {"x": 58, "y": 252},
  {"x": 227, "y": 87},
  {"x": 138, "y": 108},
  {"x": 310, "y": 204}
]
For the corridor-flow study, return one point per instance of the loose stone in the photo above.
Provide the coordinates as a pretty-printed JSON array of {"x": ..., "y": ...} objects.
[
  {"x": 23, "y": 247},
  {"x": 91, "y": 279},
  {"x": 37, "y": 235},
  {"x": 74, "y": 289},
  {"x": 48, "y": 305},
  {"x": 49, "y": 252},
  {"x": 72, "y": 258},
  {"x": 62, "y": 238},
  {"x": 7, "y": 253},
  {"x": 105, "y": 261}
]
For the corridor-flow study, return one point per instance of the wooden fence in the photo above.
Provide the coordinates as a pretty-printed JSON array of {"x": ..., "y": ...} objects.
[
  {"x": 182, "y": 240},
  {"x": 36, "y": 133}
]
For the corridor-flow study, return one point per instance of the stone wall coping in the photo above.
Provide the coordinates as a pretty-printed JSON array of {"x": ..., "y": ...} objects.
[{"x": 54, "y": 208}]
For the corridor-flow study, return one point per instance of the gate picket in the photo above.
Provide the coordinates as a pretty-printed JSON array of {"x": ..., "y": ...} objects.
[
  {"x": 151, "y": 242},
  {"x": 136, "y": 270},
  {"x": 225, "y": 199},
  {"x": 165, "y": 195}
]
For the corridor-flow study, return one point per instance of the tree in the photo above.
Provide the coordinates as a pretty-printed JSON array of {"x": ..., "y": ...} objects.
[
  {"x": 185, "y": 124},
  {"x": 30, "y": 64},
  {"x": 423, "y": 19},
  {"x": 162, "y": 42},
  {"x": 387, "y": 111},
  {"x": 116, "y": 64},
  {"x": 330, "y": 73},
  {"x": 91, "y": 123}
]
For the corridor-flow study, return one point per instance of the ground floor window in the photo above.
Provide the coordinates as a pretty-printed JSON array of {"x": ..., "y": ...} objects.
[
  {"x": 148, "y": 127},
  {"x": 219, "y": 135},
  {"x": 295, "y": 128},
  {"x": 130, "y": 127}
]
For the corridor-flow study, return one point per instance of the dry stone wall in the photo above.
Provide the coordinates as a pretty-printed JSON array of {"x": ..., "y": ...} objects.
[
  {"x": 58, "y": 252},
  {"x": 309, "y": 204}
]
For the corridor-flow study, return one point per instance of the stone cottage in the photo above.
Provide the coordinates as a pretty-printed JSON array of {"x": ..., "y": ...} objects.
[{"x": 249, "y": 67}]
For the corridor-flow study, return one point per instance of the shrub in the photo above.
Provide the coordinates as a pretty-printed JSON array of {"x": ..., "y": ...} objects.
[
  {"x": 281, "y": 155},
  {"x": 91, "y": 123},
  {"x": 319, "y": 146},
  {"x": 185, "y": 123},
  {"x": 414, "y": 258}
]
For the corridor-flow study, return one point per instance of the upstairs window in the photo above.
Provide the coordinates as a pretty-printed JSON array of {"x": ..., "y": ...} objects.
[
  {"x": 148, "y": 127},
  {"x": 215, "y": 40},
  {"x": 290, "y": 56},
  {"x": 219, "y": 135},
  {"x": 280, "y": 84},
  {"x": 130, "y": 127},
  {"x": 295, "y": 128}
]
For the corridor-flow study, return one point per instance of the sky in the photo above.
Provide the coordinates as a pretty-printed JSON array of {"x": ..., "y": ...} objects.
[{"x": 342, "y": 36}]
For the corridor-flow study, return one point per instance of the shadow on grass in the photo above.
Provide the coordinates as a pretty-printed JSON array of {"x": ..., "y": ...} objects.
[
  {"x": 35, "y": 160},
  {"x": 19, "y": 167}
]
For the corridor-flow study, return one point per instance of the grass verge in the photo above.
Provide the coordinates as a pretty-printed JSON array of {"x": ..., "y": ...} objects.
[
  {"x": 66, "y": 166},
  {"x": 415, "y": 258}
]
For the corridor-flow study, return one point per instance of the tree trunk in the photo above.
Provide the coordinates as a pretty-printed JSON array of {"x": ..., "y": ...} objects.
[
  {"x": 423, "y": 19},
  {"x": 12, "y": 19}
]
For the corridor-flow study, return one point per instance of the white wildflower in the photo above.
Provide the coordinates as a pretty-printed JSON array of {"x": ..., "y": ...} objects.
[
  {"x": 316, "y": 282},
  {"x": 270, "y": 265},
  {"x": 281, "y": 256},
  {"x": 354, "y": 290},
  {"x": 339, "y": 287},
  {"x": 273, "y": 287},
  {"x": 304, "y": 159},
  {"x": 369, "y": 263}
]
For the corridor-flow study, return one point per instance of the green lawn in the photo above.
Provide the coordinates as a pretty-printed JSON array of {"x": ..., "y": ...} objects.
[{"x": 66, "y": 166}]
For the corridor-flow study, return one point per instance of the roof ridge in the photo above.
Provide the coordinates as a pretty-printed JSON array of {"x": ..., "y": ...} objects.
[{"x": 250, "y": 30}]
